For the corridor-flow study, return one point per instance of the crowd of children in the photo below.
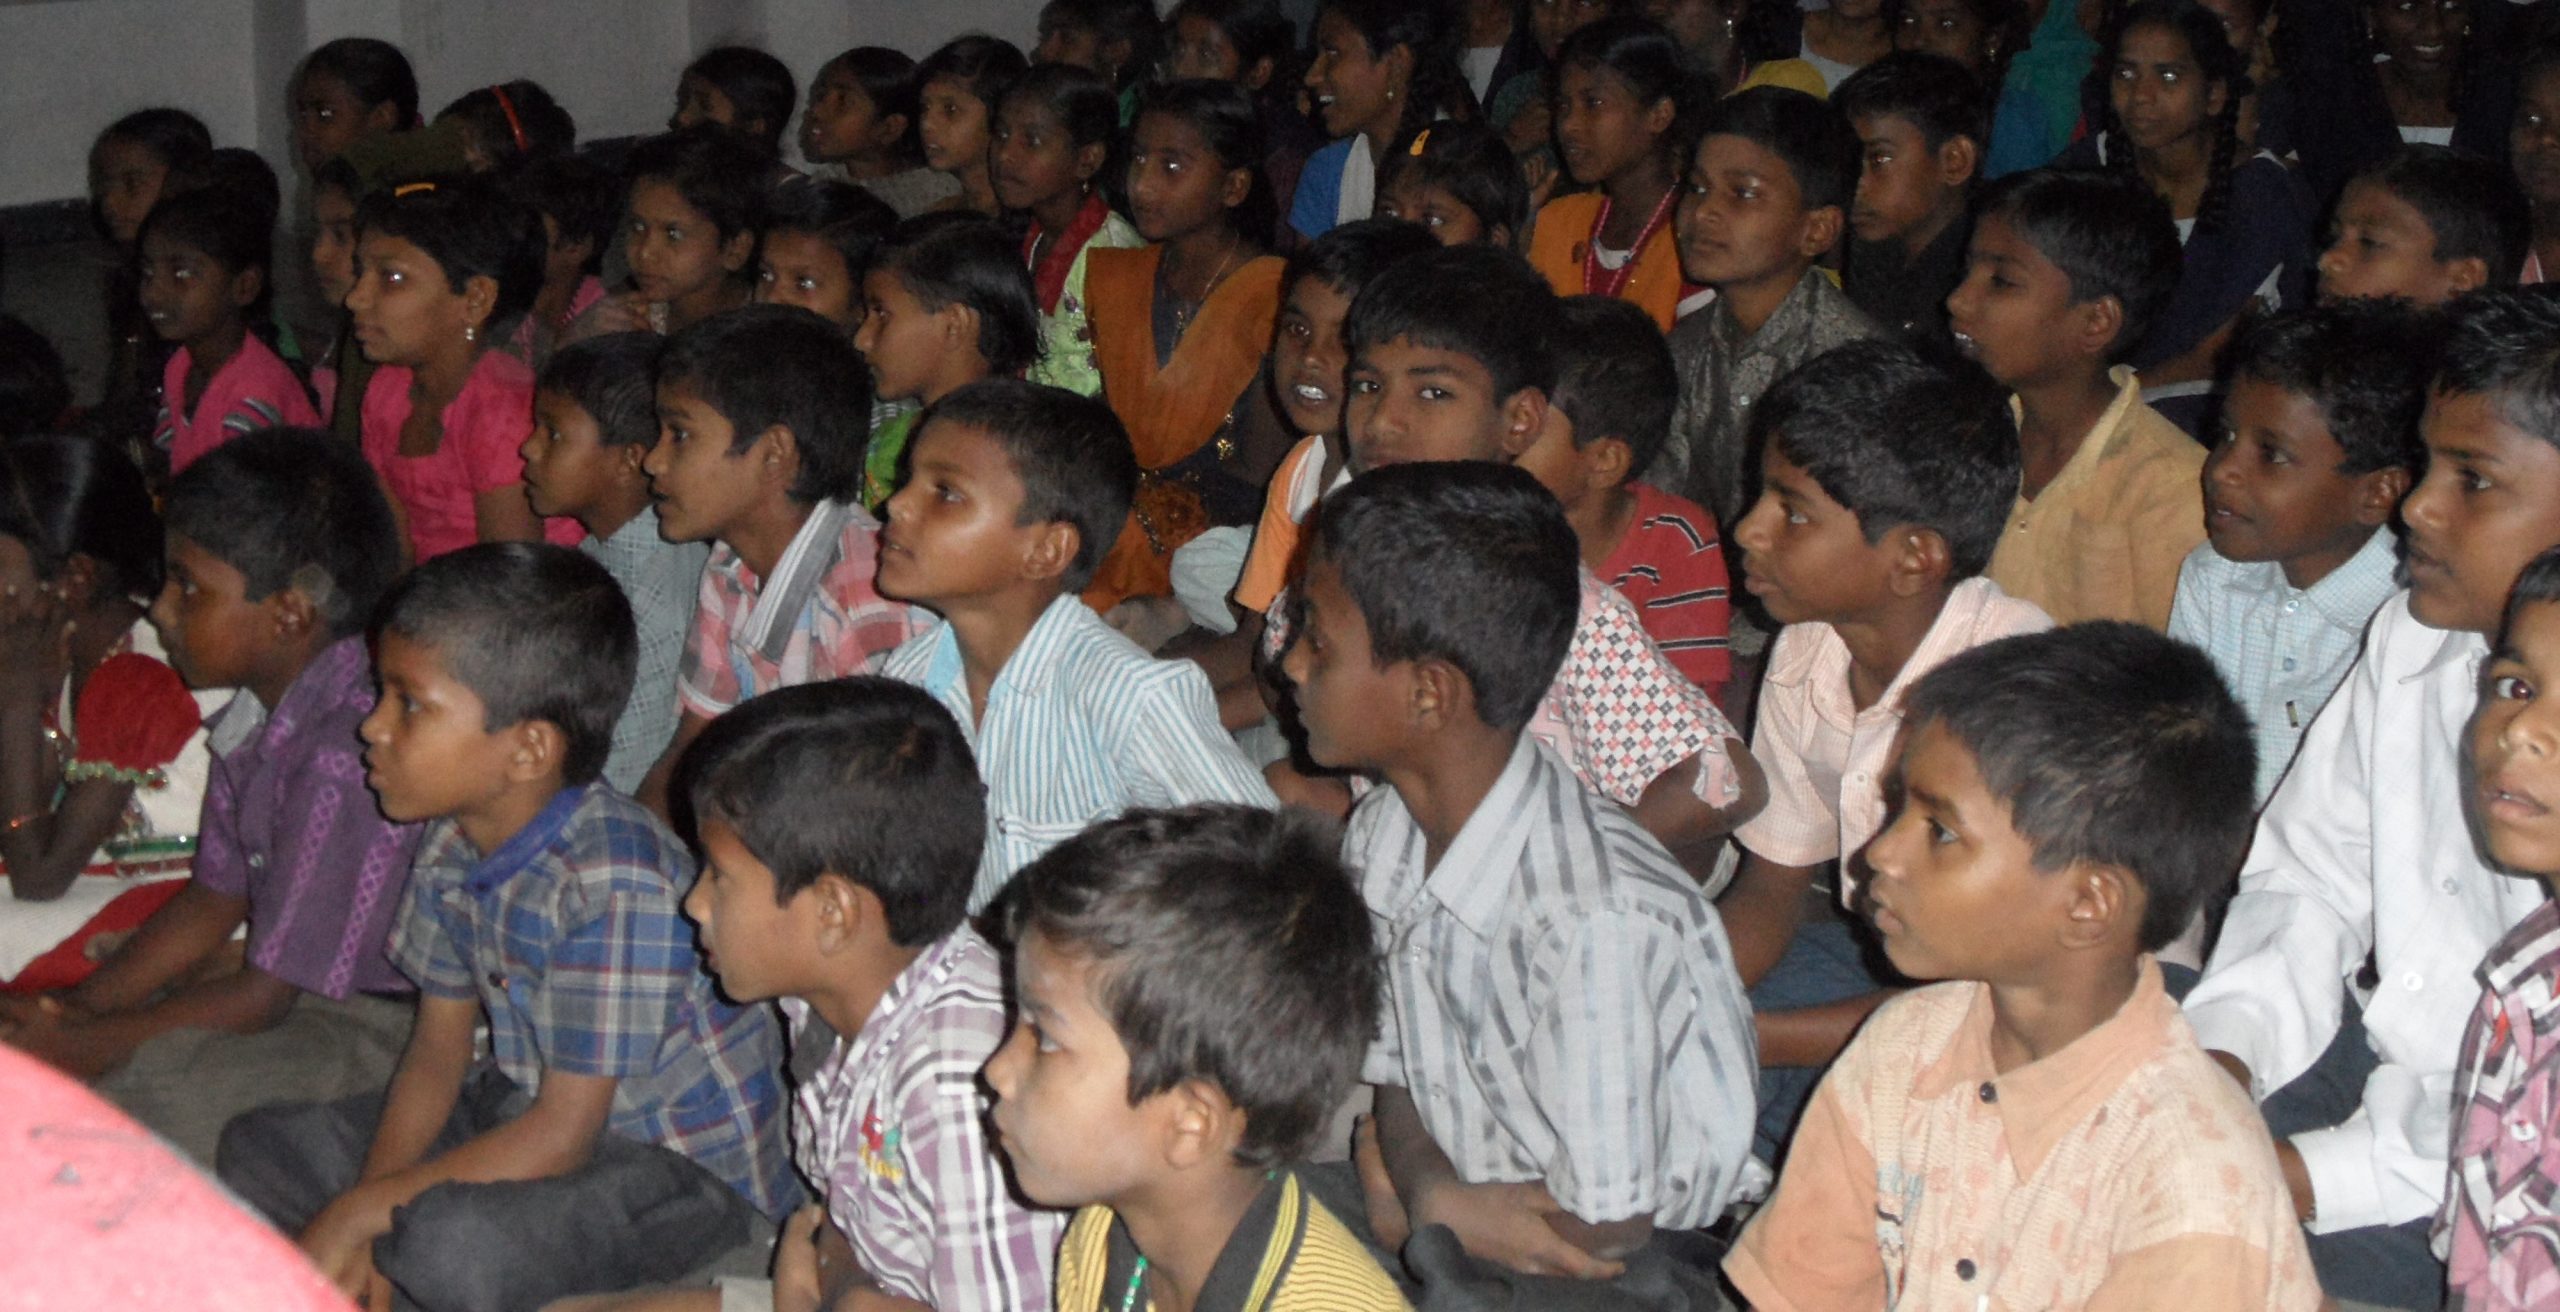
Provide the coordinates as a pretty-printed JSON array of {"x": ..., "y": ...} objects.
[{"x": 1563, "y": 654}]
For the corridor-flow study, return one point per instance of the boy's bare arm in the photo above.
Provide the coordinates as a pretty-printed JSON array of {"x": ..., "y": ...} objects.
[
  {"x": 1672, "y": 811},
  {"x": 425, "y": 1086},
  {"x": 177, "y": 939},
  {"x": 652, "y": 792},
  {"x": 1761, "y": 912},
  {"x": 1517, "y": 1225},
  {"x": 1814, "y": 1036}
]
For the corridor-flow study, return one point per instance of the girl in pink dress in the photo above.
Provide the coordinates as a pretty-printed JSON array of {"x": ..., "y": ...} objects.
[{"x": 204, "y": 281}]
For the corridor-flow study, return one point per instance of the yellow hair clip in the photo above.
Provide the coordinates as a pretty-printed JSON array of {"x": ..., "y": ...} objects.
[
  {"x": 1420, "y": 140},
  {"x": 413, "y": 189}
]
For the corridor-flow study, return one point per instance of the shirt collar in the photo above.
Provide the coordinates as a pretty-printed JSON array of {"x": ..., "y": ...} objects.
[
  {"x": 814, "y": 550},
  {"x": 342, "y": 669},
  {"x": 2349, "y": 595},
  {"x": 1272, "y": 1228},
  {"x": 524, "y": 846},
  {"x": 2529, "y": 951},
  {"x": 2042, "y": 1101},
  {"x": 1474, "y": 879},
  {"x": 2095, "y": 448},
  {"x": 1033, "y": 664},
  {"x": 2452, "y": 646},
  {"x": 1823, "y": 666},
  {"x": 638, "y": 534},
  {"x": 1798, "y": 306}
]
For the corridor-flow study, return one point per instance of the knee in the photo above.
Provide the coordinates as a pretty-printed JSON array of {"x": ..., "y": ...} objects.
[
  {"x": 263, "y": 1158},
  {"x": 449, "y": 1253}
]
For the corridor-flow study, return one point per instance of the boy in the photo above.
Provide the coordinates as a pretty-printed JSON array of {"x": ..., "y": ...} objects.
[
  {"x": 2319, "y": 443},
  {"x": 594, "y": 419},
  {"x": 1014, "y": 492},
  {"x": 2064, "y": 273},
  {"x": 1767, "y": 193},
  {"x": 1196, "y": 987},
  {"x": 278, "y": 545},
  {"x": 840, "y": 824},
  {"x": 1606, "y": 422},
  {"x": 626, "y": 1123},
  {"x": 760, "y": 437},
  {"x": 2426, "y": 224},
  {"x": 1884, "y": 481},
  {"x": 1922, "y": 121},
  {"x": 2363, "y": 848},
  {"x": 1564, "y": 1059},
  {"x": 2041, "y": 1130}
]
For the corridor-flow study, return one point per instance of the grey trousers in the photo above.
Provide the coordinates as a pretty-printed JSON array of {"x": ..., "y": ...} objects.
[{"x": 187, "y": 1084}]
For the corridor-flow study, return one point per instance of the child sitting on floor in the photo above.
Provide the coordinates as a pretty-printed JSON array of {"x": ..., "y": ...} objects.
[{"x": 2426, "y": 225}]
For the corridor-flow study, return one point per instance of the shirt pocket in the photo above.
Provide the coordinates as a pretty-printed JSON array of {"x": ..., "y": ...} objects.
[{"x": 1021, "y": 840}]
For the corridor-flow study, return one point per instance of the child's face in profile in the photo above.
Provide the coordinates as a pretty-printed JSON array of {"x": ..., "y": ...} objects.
[
  {"x": 333, "y": 243},
  {"x": 954, "y": 129},
  {"x": 951, "y": 529},
  {"x": 702, "y": 488},
  {"x": 2013, "y": 313},
  {"x": 805, "y": 269},
  {"x": 2490, "y": 502},
  {"x": 902, "y": 340},
  {"x": 328, "y": 118},
  {"x": 676, "y": 250},
  {"x": 1443, "y": 215},
  {"x": 1742, "y": 220},
  {"x": 1602, "y": 126},
  {"x": 1906, "y": 190},
  {"x": 2273, "y": 490},
  {"x": 1803, "y": 554},
  {"x": 2382, "y": 247},
  {"x": 125, "y": 178},
  {"x": 841, "y": 122},
  {"x": 2515, "y": 744},
  {"x": 568, "y": 467},
  {"x": 215, "y": 635},
  {"x": 1035, "y": 160},
  {"x": 1410, "y": 403},
  {"x": 2534, "y": 138},
  {"x": 429, "y": 748},
  {"x": 1061, "y": 1082},
  {"x": 186, "y": 295},
  {"x": 698, "y": 101},
  {"x": 403, "y": 309},
  {"x": 748, "y": 934},
  {"x": 1308, "y": 358},
  {"x": 1349, "y": 702}
]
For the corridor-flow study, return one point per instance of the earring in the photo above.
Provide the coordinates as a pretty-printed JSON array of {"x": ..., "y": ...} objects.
[{"x": 470, "y": 332}]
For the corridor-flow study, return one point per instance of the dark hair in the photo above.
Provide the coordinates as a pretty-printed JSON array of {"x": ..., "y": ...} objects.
[
  {"x": 1133, "y": 21},
  {"x": 2111, "y": 744},
  {"x": 2539, "y": 584},
  {"x": 1640, "y": 53},
  {"x": 293, "y": 508},
  {"x": 375, "y": 72},
  {"x": 1070, "y": 453},
  {"x": 1428, "y": 28},
  {"x": 762, "y": 366},
  {"x": 34, "y": 390},
  {"x": 1467, "y": 562},
  {"x": 1077, "y": 96},
  {"x": 174, "y": 135},
  {"x": 888, "y": 80},
  {"x": 238, "y": 169},
  {"x": 470, "y": 229},
  {"x": 2206, "y": 38},
  {"x": 1224, "y": 115},
  {"x": 336, "y": 174},
  {"x": 1614, "y": 377},
  {"x": 757, "y": 84},
  {"x": 1809, "y": 136},
  {"x": 1900, "y": 440},
  {"x": 234, "y": 229},
  {"x": 68, "y": 496},
  {"x": 1481, "y": 302},
  {"x": 984, "y": 64},
  {"x": 849, "y": 219},
  {"x": 965, "y": 260},
  {"x": 501, "y": 615},
  {"x": 1348, "y": 255},
  {"x": 1931, "y": 92},
  {"x": 2505, "y": 344},
  {"x": 714, "y": 169},
  {"x": 613, "y": 378},
  {"x": 1231, "y": 947},
  {"x": 515, "y": 121},
  {"x": 863, "y": 777},
  {"x": 2005, "y": 20},
  {"x": 581, "y": 199},
  {"x": 2473, "y": 207},
  {"x": 1472, "y": 163},
  {"x": 2109, "y": 233},
  {"x": 1256, "y": 28},
  {"x": 2365, "y": 363}
]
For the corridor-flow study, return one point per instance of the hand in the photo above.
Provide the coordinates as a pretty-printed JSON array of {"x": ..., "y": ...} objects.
[
  {"x": 1386, "y": 1211},
  {"x": 621, "y": 313},
  {"x": 340, "y": 1242},
  {"x": 798, "y": 1284},
  {"x": 35, "y": 642},
  {"x": 1542, "y": 175},
  {"x": 1507, "y": 1223},
  {"x": 48, "y": 1032},
  {"x": 2297, "y": 1179}
]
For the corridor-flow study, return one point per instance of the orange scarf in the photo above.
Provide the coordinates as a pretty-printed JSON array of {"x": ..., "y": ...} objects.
[{"x": 1563, "y": 241}]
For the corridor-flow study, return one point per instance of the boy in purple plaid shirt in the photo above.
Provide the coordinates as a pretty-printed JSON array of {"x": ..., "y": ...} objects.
[{"x": 627, "y": 1124}]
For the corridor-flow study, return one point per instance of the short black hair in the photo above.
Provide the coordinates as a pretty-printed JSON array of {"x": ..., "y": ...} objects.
[
  {"x": 1614, "y": 377},
  {"x": 1898, "y": 439},
  {"x": 1467, "y": 562},
  {"x": 614, "y": 379},
  {"x": 34, "y": 388},
  {"x": 1081, "y": 100},
  {"x": 985, "y": 64},
  {"x": 1481, "y": 302},
  {"x": 374, "y": 70},
  {"x": 293, "y": 508},
  {"x": 1348, "y": 255},
  {"x": 1070, "y": 452},
  {"x": 2474, "y": 207},
  {"x": 964, "y": 259},
  {"x": 757, "y": 84},
  {"x": 501, "y": 615},
  {"x": 888, "y": 80},
  {"x": 2365, "y": 363},
  {"x": 1230, "y": 124},
  {"x": 2505, "y": 344},
  {"x": 225, "y": 224},
  {"x": 863, "y": 777},
  {"x": 2108, "y": 232},
  {"x": 471, "y": 230},
  {"x": 1230, "y": 947},
  {"x": 849, "y": 219},
  {"x": 68, "y": 496},
  {"x": 2539, "y": 584},
  {"x": 1133, "y": 21},
  {"x": 1931, "y": 92},
  {"x": 713, "y": 168},
  {"x": 2110, "y": 744},
  {"x": 1472, "y": 163},
  {"x": 174, "y": 135},
  {"x": 1811, "y": 137},
  {"x": 582, "y": 199},
  {"x": 765, "y": 365},
  {"x": 514, "y": 121}
]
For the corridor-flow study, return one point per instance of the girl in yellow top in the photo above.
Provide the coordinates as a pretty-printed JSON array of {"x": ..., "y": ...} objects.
[{"x": 1623, "y": 91}]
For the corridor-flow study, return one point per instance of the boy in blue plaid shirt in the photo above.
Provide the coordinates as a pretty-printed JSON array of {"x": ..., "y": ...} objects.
[{"x": 627, "y": 1124}]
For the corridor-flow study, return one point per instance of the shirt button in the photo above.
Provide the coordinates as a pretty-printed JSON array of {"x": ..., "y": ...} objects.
[
  {"x": 1988, "y": 1093},
  {"x": 2413, "y": 981},
  {"x": 1964, "y": 1265},
  {"x": 2290, "y": 662},
  {"x": 2521, "y": 1132},
  {"x": 497, "y": 981},
  {"x": 2451, "y": 886},
  {"x": 257, "y": 860}
]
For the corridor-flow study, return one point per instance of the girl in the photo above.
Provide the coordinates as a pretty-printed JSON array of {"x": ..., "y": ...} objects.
[
  {"x": 2363, "y": 78},
  {"x": 1114, "y": 38},
  {"x": 742, "y": 89},
  {"x": 1181, "y": 326},
  {"x": 1622, "y": 96},
  {"x": 2534, "y": 143},
  {"x": 946, "y": 303},
  {"x": 697, "y": 198},
  {"x": 817, "y": 245},
  {"x": 1979, "y": 34},
  {"x": 129, "y": 167},
  {"x": 509, "y": 124},
  {"x": 102, "y": 753},
  {"x": 352, "y": 89},
  {"x": 1719, "y": 38},
  {"x": 860, "y": 127},
  {"x": 579, "y": 205},
  {"x": 1383, "y": 69},
  {"x": 1052, "y": 135},
  {"x": 204, "y": 282},
  {"x": 958, "y": 89},
  {"x": 1252, "y": 44},
  {"x": 335, "y": 189},
  {"x": 2175, "y": 86},
  {"x": 445, "y": 417},
  {"x": 1460, "y": 183},
  {"x": 1522, "y": 103}
]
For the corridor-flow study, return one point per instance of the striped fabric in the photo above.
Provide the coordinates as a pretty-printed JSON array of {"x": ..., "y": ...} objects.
[
  {"x": 2502, "y": 1210},
  {"x": 1287, "y": 1254},
  {"x": 1670, "y": 566},
  {"x": 818, "y": 617},
  {"x": 569, "y": 937},
  {"x": 1561, "y": 1001},
  {"x": 661, "y": 579},
  {"x": 254, "y": 389},
  {"x": 1080, "y": 726}
]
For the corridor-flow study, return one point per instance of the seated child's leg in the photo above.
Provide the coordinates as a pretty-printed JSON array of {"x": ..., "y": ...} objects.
[
  {"x": 2384, "y": 1265},
  {"x": 187, "y": 1084},
  {"x": 2332, "y": 1089},
  {"x": 290, "y": 1160},
  {"x": 1824, "y": 963}
]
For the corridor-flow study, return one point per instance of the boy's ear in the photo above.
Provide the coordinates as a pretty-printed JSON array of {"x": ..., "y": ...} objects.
[
  {"x": 1523, "y": 413},
  {"x": 2101, "y": 324},
  {"x": 2468, "y": 274},
  {"x": 2378, "y": 495},
  {"x": 841, "y": 907},
  {"x": 1959, "y": 160},
  {"x": 1205, "y": 1126},
  {"x": 2104, "y": 902},
  {"x": 1920, "y": 560},
  {"x": 1441, "y": 693},
  {"x": 292, "y": 614},
  {"x": 734, "y": 252},
  {"x": 1053, "y": 549},
  {"x": 777, "y": 456},
  {"x": 1605, "y": 461},
  {"x": 538, "y": 748},
  {"x": 1821, "y": 231},
  {"x": 959, "y": 325}
]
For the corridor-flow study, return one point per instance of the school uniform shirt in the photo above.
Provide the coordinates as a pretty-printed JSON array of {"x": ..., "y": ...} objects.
[
  {"x": 661, "y": 580},
  {"x": 819, "y": 617},
  {"x": 890, "y": 1128},
  {"x": 254, "y": 389},
  {"x": 1722, "y": 374},
  {"x": 569, "y": 938},
  {"x": 2363, "y": 849},
  {"x": 2125, "y": 1171},
  {"x": 2104, "y": 540},
  {"x": 2282, "y": 649},
  {"x": 1288, "y": 1254},
  {"x": 1670, "y": 566},
  {"x": 1560, "y": 1000},
  {"x": 2494, "y": 1231},
  {"x": 1081, "y": 724}
]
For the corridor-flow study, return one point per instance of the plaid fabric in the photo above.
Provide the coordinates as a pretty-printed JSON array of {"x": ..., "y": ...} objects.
[
  {"x": 743, "y": 641},
  {"x": 2503, "y": 1206},
  {"x": 570, "y": 938}
]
